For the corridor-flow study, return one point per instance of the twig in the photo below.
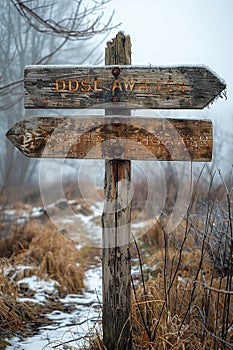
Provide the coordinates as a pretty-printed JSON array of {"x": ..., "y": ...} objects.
[
  {"x": 145, "y": 322},
  {"x": 223, "y": 291},
  {"x": 77, "y": 324}
]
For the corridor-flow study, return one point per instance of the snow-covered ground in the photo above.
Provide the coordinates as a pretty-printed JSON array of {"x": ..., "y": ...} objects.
[
  {"x": 68, "y": 326},
  {"x": 83, "y": 312}
]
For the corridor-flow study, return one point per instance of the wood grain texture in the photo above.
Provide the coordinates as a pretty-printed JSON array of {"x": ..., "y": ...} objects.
[
  {"x": 116, "y": 218},
  {"x": 116, "y": 255},
  {"x": 146, "y": 87},
  {"x": 114, "y": 137}
]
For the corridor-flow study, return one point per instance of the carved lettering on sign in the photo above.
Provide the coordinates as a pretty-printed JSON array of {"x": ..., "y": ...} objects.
[
  {"x": 150, "y": 87},
  {"x": 129, "y": 84},
  {"x": 95, "y": 83},
  {"x": 87, "y": 85},
  {"x": 60, "y": 85},
  {"x": 116, "y": 85},
  {"x": 73, "y": 85}
]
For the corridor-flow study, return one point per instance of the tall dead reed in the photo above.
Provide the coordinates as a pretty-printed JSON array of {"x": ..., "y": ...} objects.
[{"x": 187, "y": 304}]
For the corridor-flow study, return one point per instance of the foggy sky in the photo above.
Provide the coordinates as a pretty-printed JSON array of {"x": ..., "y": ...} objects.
[
  {"x": 183, "y": 32},
  {"x": 176, "y": 32}
]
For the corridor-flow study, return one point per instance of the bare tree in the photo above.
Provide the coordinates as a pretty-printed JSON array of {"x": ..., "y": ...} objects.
[{"x": 40, "y": 32}]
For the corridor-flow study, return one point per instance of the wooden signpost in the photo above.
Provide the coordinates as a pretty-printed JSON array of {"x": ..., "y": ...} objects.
[
  {"x": 148, "y": 87},
  {"x": 118, "y": 139}
]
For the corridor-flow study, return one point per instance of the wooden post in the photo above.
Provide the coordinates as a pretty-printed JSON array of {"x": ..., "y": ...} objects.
[{"x": 116, "y": 232}]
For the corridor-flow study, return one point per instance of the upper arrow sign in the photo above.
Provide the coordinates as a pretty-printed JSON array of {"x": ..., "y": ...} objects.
[{"x": 145, "y": 87}]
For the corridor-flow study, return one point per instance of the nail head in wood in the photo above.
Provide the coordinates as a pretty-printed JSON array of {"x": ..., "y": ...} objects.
[
  {"x": 115, "y": 99},
  {"x": 116, "y": 71}
]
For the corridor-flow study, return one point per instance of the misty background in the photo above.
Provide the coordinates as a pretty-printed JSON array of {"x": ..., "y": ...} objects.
[{"x": 163, "y": 32}]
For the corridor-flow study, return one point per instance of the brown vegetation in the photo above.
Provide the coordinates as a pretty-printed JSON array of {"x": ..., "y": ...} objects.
[
  {"x": 184, "y": 306},
  {"x": 186, "y": 302},
  {"x": 183, "y": 298},
  {"x": 14, "y": 315},
  {"x": 48, "y": 253},
  {"x": 43, "y": 252}
]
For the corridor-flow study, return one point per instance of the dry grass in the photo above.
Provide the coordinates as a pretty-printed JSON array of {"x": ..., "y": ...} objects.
[
  {"x": 186, "y": 301},
  {"x": 48, "y": 255},
  {"x": 51, "y": 256},
  {"x": 184, "y": 315},
  {"x": 14, "y": 315},
  {"x": 186, "y": 305},
  {"x": 18, "y": 237}
]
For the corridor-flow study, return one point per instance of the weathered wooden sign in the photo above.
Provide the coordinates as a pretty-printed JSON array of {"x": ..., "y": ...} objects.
[
  {"x": 114, "y": 137},
  {"x": 148, "y": 87},
  {"x": 118, "y": 139}
]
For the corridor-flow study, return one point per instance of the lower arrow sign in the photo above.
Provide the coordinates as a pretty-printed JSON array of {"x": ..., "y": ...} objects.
[{"x": 114, "y": 137}]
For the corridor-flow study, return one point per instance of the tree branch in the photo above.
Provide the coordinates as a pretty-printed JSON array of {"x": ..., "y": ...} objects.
[{"x": 55, "y": 27}]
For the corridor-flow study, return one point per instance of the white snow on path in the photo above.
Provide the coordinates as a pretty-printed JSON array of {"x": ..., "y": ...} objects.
[{"x": 68, "y": 326}]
